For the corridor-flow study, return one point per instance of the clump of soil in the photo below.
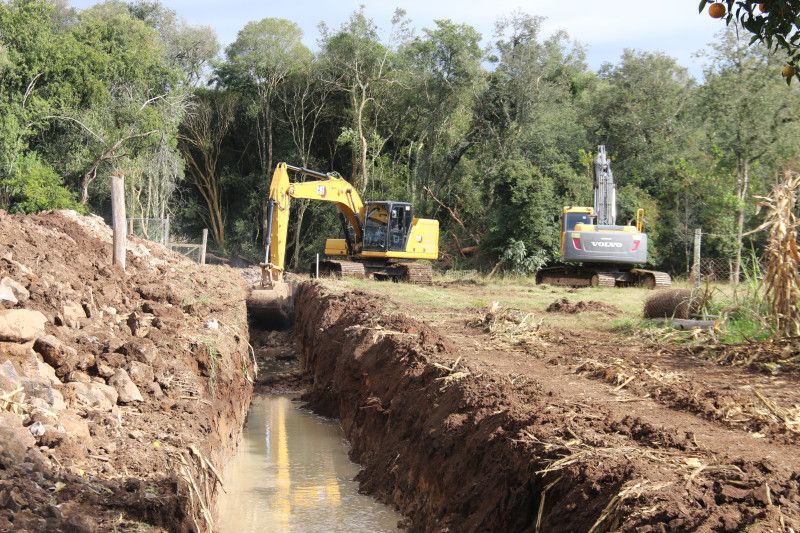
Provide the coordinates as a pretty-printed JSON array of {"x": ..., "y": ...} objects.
[
  {"x": 565, "y": 306},
  {"x": 509, "y": 322},
  {"x": 116, "y": 388}
]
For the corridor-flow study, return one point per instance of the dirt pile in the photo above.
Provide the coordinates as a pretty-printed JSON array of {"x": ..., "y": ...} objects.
[
  {"x": 459, "y": 444},
  {"x": 565, "y": 306},
  {"x": 120, "y": 393}
]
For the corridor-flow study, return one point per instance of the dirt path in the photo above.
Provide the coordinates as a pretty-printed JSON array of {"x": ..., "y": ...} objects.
[
  {"x": 468, "y": 429},
  {"x": 644, "y": 371}
]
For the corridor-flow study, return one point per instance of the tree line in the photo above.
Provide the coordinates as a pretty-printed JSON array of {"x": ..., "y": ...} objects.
[{"x": 490, "y": 139}]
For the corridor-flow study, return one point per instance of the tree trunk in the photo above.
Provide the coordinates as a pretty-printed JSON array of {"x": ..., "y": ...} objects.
[
  {"x": 87, "y": 180},
  {"x": 742, "y": 182},
  {"x": 362, "y": 144}
]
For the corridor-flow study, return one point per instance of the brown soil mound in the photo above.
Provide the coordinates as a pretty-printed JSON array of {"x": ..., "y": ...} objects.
[
  {"x": 457, "y": 445},
  {"x": 565, "y": 306},
  {"x": 129, "y": 389}
]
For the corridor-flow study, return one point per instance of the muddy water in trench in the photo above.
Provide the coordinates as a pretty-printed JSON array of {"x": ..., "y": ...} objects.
[{"x": 292, "y": 473}]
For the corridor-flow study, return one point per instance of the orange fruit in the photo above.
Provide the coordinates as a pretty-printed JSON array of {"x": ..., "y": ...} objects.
[
  {"x": 716, "y": 10},
  {"x": 788, "y": 71}
]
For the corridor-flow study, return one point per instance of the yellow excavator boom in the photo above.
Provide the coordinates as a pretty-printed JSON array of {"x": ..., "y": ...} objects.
[{"x": 330, "y": 188}]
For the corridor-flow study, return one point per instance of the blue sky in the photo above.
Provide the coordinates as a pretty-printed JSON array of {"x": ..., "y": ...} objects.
[{"x": 606, "y": 28}]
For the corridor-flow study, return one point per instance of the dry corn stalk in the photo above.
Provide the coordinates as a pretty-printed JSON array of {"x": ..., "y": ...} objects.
[
  {"x": 508, "y": 322},
  {"x": 201, "y": 479},
  {"x": 781, "y": 281},
  {"x": 8, "y": 403}
]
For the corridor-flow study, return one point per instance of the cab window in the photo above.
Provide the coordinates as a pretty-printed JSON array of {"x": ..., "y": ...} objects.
[
  {"x": 399, "y": 224},
  {"x": 571, "y": 219},
  {"x": 375, "y": 227}
]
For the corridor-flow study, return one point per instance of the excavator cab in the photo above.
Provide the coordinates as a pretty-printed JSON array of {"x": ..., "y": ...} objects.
[{"x": 387, "y": 226}]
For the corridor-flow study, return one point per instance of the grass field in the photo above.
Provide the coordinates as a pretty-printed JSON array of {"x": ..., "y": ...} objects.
[{"x": 449, "y": 294}]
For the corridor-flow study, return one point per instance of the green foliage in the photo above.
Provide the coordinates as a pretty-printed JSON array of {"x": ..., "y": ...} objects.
[
  {"x": 36, "y": 187},
  {"x": 524, "y": 213},
  {"x": 518, "y": 259}
]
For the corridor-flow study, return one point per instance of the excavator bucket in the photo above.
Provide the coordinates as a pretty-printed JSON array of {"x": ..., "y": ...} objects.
[{"x": 272, "y": 308}]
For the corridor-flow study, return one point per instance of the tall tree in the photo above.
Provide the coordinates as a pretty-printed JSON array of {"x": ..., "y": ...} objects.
[
  {"x": 201, "y": 141},
  {"x": 259, "y": 60},
  {"x": 747, "y": 112},
  {"x": 358, "y": 65},
  {"x": 257, "y": 64},
  {"x": 305, "y": 105}
]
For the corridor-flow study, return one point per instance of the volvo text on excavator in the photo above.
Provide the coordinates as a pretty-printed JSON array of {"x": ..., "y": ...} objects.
[
  {"x": 381, "y": 239},
  {"x": 595, "y": 250}
]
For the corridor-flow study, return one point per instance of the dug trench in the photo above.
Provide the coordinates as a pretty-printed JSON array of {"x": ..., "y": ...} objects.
[{"x": 445, "y": 436}]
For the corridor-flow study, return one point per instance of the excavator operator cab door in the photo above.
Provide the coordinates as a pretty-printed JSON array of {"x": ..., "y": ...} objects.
[
  {"x": 386, "y": 226},
  {"x": 568, "y": 223}
]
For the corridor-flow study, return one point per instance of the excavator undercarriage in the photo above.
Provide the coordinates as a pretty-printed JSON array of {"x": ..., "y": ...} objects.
[
  {"x": 587, "y": 276},
  {"x": 380, "y": 270}
]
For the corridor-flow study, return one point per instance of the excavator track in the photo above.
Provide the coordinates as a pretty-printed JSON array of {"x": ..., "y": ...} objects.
[
  {"x": 332, "y": 268},
  {"x": 421, "y": 273},
  {"x": 604, "y": 279},
  {"x": 651, "y": 279},
  {"x": 564, "y": 276},
  {"x": 569, "y": 276}
]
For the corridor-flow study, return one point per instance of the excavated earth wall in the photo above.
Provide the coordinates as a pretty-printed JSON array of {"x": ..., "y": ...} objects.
[
  {"x": 456, "y": 446},
  {"x": 121, "y": 393}
]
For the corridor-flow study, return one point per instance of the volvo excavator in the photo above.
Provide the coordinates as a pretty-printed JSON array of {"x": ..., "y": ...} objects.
[
  {"x": 382, "y": 239},
  {"x": 597, "y": 252}
]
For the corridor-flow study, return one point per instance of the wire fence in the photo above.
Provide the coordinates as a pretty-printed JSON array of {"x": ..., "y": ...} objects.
[
  {"x": 158, "y": 230},
  {"x": 151, "y": 229},
  {"x": 722, "y": 269}
]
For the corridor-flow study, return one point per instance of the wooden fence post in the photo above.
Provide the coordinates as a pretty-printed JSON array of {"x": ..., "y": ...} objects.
[
  {"x": 203, "y": 247},
  {"x": 118, "y": 219},
  {"x": 166, "y": 232},
  {"x": 698, "y": 235}
]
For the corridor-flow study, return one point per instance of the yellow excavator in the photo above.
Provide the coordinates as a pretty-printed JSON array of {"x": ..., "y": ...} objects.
[
  {"x": 595, "y": 250},
  {"x": 382, "y": 239}
]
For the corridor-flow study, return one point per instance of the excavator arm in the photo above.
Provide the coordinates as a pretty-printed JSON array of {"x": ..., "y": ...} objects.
[{"x": 330, "y": 187}]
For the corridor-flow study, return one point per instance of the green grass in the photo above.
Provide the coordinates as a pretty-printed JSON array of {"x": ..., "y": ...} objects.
[
  {"x": 512, "y": 291},
  {"x": 740, "y": 308}
]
